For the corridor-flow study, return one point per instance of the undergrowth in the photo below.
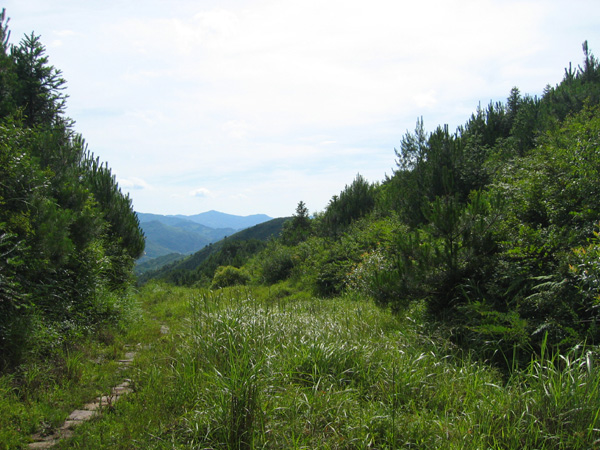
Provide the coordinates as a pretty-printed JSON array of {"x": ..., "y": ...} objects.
[
  {"x": 61, "y": 371},
  {"x": 243, "y": 369}
]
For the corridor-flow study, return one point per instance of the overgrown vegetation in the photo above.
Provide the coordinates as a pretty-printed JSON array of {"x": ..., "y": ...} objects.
[
  {"x": 251, "y": 368},
  {"x": 492, "y": 227},
  {"x": 452, "y": 305},
  {"x": 235, "y": 250},
  {"x": 68, "y": 236}
]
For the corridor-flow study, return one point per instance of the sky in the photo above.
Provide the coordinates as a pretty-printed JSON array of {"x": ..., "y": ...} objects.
[{"x": 248, "y": 107}]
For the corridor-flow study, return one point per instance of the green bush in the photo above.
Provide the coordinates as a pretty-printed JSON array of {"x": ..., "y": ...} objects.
[
  {"x": 377, "y": 276},
  {"x": 226, "y": 276},
  {"x": 276, "y": 262}
]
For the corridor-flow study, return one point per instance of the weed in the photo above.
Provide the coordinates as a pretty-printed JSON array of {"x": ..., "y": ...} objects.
[{"x": 239, "y": 370}]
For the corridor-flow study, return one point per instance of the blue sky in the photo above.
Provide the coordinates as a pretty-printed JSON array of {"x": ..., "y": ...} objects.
[{"x": 248, "y": 107}]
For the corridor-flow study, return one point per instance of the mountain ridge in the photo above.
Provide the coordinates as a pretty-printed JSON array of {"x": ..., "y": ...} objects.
[
  {"x": 191, "y": 265},
  {"x": 167, "y": 234},
  {"x": 212, "y": 219}
]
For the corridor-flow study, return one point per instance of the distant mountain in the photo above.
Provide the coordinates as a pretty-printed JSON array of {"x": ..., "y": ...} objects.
[
  {"x": 175, "y": 221},
  {"x": 216, "y": 219},
  {"x": 187, "y": 234},
  {"x": 162, "y": 239},
  {"x": 192, "y": 266}
]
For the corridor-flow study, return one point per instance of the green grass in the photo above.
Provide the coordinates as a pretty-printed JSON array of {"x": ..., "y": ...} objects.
[
  {"x": 243, "y": 369},
  {"x": 241, "y": 372},
  {"x": 40, "y": 394}
]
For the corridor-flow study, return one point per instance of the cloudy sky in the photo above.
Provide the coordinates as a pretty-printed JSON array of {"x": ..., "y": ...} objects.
[{"x": 248, "y": 106}]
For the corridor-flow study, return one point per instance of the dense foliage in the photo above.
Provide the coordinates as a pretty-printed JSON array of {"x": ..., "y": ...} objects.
[
  {"x": 344, "y": 329},
  {"x": 492, "y": 227},
  {"x": 244, "y": 368},
  {"x": 68, "y": 236},
  {"x": 497, "y": 212}
]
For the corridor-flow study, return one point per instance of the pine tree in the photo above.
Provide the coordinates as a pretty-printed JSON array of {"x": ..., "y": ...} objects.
[
  {"x": 7, "y": 75},
  {"x": 40, "y": 85},
  {"x": 299, "y": 228}
]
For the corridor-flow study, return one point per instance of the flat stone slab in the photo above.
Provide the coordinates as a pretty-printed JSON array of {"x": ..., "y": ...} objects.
[
  {"x": 92, "y": 406},
  {"x": 70, "y": 424},
  {"x": 119, "y": 390},
  {"x": 66, "y": 433},
  {"x": 81, "y": 414},
  {"x": 125, "y": 362},
  {"x": 123, "y": 388},
  {"x": 128, "y": 359},
  {"x": 106, "y": 400},
  {"x": 43, "y": 444}
]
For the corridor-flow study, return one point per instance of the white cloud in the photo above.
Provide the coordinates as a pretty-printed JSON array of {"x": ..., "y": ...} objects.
[
  {"x": 132, "y": 183},
  {"x": 237, "y": 129},
  {"x": 426, "y": 99},
  {"x": 148, "y": 117},
  {"x": 65, "y": 33},
  {"x": 215, "y": 25},
  {"x": 201, "y": 192}
]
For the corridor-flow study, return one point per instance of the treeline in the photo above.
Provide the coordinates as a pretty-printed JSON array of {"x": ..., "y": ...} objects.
[
  {"x": 491, "y": 230},
  {"x": 68, "y": 235}
]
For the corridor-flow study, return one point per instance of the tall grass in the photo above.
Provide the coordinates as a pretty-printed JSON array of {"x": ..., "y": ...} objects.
[
  {"x": 241, "y": 371},
  {"x": 563, "y": 397}
]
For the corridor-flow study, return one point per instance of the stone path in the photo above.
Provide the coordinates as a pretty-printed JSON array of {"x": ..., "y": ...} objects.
[
  {"x": 91, "y": 409},
  {"x": 88, "y": 411}
]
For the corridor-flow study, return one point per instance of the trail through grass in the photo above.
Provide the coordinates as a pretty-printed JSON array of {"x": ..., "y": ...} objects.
[{"x": 242, "y": 370}]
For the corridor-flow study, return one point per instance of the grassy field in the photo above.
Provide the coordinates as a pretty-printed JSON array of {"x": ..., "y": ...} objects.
[{"x": 243, "y": 368}]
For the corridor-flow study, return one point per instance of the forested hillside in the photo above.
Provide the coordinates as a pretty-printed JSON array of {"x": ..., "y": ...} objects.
[
  {"x": 233, "y": 251},
  {"x": 68, "y": 235},
  {"x": 187, "y": 234},
  {"x": 183, "y": 236},
  {"x": 492, "y": 228},
  {"x": 216, "y": 219}
]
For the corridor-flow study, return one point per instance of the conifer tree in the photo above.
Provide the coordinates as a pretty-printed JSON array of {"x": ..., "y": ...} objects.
[
  {"x": 299, "y": 228},
  {"x": 68, "y": 235},
  {"x": 7, "y": 75},
  {"x": 40, "y": 85}
]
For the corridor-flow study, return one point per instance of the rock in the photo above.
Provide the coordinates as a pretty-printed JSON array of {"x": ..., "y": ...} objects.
[{"x": 81, "y": 414}]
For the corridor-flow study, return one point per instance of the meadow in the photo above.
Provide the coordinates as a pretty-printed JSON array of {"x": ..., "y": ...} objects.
[{"x": 245, "y": 368}]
